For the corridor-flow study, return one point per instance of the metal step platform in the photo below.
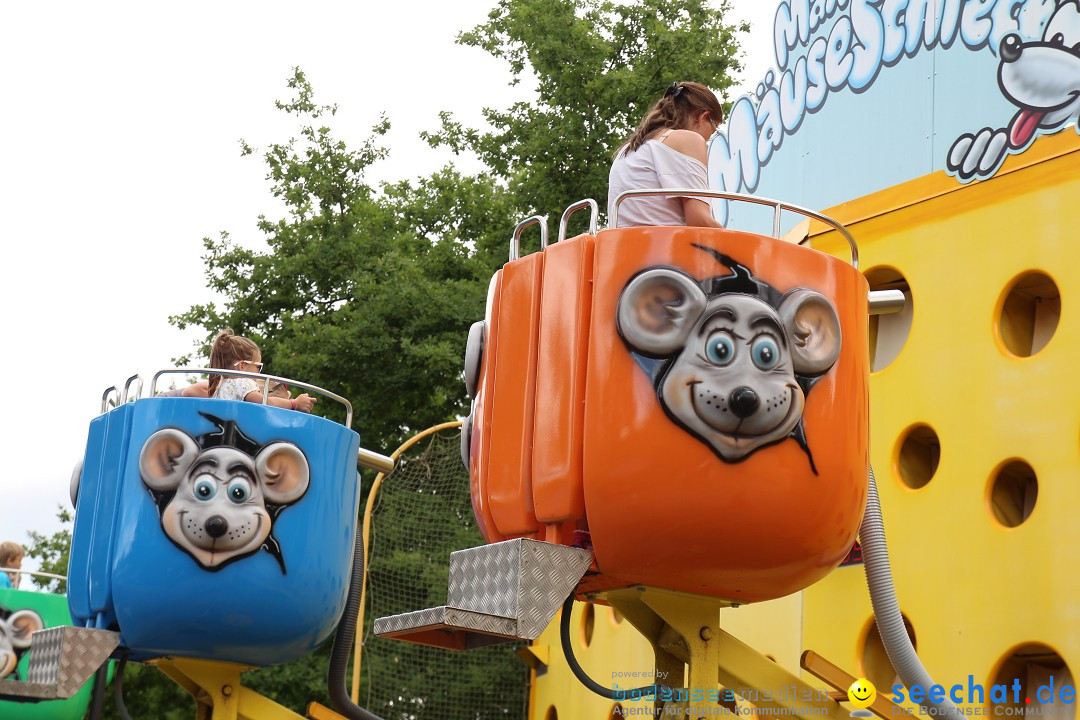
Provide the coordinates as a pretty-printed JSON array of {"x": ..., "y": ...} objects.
[
  {"x": 62, "y": 659},
  {"x": 503, "y": 592}
]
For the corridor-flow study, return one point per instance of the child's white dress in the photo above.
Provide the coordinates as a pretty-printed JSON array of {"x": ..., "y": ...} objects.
[{"x": 235, "y": 388}]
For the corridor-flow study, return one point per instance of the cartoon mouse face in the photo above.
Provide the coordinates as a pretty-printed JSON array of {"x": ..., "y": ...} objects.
[
  {"x": 222, "y": 496},
  {"x": 15, "y": 635},
  {"x": 1043, "y": 77},
  {"x": 732, "y": 360}
]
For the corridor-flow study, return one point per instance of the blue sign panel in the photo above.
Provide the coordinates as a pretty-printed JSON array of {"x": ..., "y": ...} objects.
[{"x": 867, "y": 94}]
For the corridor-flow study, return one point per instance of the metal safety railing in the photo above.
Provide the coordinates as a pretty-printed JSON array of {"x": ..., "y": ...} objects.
[
  {"x": 33, "y": 573},
  {"x": 265, "y": 379},
  {"x": 880, "y": 301},
  {"x": 112, "y": 398},
  {"x": 778, "y": 207},
  {"x": 594, "y": 215},
  {"x": 515, "y": 239}
]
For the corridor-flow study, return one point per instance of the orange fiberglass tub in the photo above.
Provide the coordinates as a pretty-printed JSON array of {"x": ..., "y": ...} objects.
[{"x": 689, "y": 403}]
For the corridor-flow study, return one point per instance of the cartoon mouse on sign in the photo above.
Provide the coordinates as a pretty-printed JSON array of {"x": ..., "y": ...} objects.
[
  {"x": 220, "y": 494},
  {"x": 731, "y": 357},
  {"x": 1042, "y": 78},
  {"x": 16, "y": 629}
]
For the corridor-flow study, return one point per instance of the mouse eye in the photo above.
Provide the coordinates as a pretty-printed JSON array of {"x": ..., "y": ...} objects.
[
  {"x": 720, "y": 348},
  {"x": 205, "y": 487},
  {"x": 1058, "y": 39},
  {"x": 239, "y": 491},
  {"x": 765, "y": 353}
]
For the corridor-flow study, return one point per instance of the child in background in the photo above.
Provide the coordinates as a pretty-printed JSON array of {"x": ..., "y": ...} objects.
[
  {"x": 280, "y": 390},
  {"x": 232, "y": 352},
  {"x": 11, "y": 556}
]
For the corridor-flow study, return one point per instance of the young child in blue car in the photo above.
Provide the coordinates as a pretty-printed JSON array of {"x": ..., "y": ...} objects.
[{"x": 232, "y": 352}]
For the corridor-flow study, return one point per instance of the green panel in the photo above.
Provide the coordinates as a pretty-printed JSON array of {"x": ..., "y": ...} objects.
[{"x": 53, "y": 610}]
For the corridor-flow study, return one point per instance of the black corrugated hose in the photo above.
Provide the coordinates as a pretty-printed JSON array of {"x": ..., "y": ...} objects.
[
  {"x": 118, "y": 690},
  {"x": 97, "y": 703},
  {"x": 579, "y": 672}
]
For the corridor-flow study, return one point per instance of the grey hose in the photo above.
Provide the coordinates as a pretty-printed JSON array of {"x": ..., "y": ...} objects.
[{"x": 890, "y": 622}]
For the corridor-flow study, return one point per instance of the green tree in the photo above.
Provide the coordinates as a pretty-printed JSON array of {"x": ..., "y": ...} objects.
[
  {"x": 598, "y": 67},
  {"x": 51, "y": 552},
  {"x": 367, "y": 294}
]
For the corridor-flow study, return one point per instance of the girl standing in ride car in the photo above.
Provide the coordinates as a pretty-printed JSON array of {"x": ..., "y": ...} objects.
[
  {"x": 668, "y": 150},
  {"x": 232, "y": 352}
]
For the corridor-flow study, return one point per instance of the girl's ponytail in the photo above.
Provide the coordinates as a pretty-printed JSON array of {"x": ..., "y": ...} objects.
[
  {"x": 227, "y": 350},
  {"x": 676, "y": 109}
]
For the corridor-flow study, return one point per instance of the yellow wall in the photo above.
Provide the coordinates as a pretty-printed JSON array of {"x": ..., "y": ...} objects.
[{"x": 973, "y": 589}]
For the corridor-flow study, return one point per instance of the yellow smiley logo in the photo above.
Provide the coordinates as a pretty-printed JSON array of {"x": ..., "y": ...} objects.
[{"x": 862, "y": 693}]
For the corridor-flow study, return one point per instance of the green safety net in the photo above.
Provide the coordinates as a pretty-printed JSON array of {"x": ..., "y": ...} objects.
[{"x": 422, "y": 513}]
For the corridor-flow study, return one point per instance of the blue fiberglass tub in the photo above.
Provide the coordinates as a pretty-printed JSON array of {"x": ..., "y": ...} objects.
[{"x": 214, "y": 529}]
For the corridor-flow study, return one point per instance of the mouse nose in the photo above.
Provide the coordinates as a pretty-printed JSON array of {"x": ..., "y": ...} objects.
[
  {"x": 1011, "y": 47},
  {"x": 216, "y": 526},
  {"x": 743, "y": 402}
]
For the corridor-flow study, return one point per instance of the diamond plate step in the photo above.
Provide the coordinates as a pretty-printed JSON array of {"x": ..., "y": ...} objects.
[
  {"x": 62, "y": 659},
  {"x": 501, "y": 592}
]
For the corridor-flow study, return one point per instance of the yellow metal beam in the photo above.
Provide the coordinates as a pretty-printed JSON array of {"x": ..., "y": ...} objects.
[
  {"x": 765, "y": 684},
  {"x": 696, "y": 622},
  {"x": 254, "y": 706},
  {"x": 218, "y": 692},
  {"x": 535, "y": 656},
  {"x": 834, "y": 675},
  {"x": 316, "y": 711}
]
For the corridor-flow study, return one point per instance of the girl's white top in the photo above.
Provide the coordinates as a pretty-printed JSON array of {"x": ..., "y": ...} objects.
[
  {"x": 235, "y": 388},
  {"x": 653, "y": 165}
]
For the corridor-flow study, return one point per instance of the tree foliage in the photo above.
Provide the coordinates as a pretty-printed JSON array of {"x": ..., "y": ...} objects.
[
  {"x": 51, "y": 552},
  {"x": 598, "y": 67},
  {"x": 367, "y": 294}
]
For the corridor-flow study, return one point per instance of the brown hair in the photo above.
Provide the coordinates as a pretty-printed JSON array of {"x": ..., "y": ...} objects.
[
  {"x": 10, "y": 551},
  {"x": 681, "y": 102},
  {"x": 227, "y": 350}
]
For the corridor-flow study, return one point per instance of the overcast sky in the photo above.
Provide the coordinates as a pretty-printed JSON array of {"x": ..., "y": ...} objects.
[{"x": 119, "y": 152}]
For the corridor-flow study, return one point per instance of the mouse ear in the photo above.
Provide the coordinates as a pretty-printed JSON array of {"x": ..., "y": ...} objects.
[
  {"x": 73, "y": 484},
  {"x": 657, "y": 310},
  {"x": 166, "y": 457},
  {"x": 23, "y": 624},
  {"x": 813, "y": 330},
  {"x": 283, "y": 472}
]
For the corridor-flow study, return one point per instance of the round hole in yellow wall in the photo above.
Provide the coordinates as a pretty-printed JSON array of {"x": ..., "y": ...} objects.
[
  {"x": 588, "y": 622},
  {"x": 919, "y": 456},
  {"x": 1013, "y": 490},
  {"x": 1028, "y": 313},
  {"x": 889, "y": 332},
  {"x": 874, "y": 661},
  {"x": 1025, "y": 672}
]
